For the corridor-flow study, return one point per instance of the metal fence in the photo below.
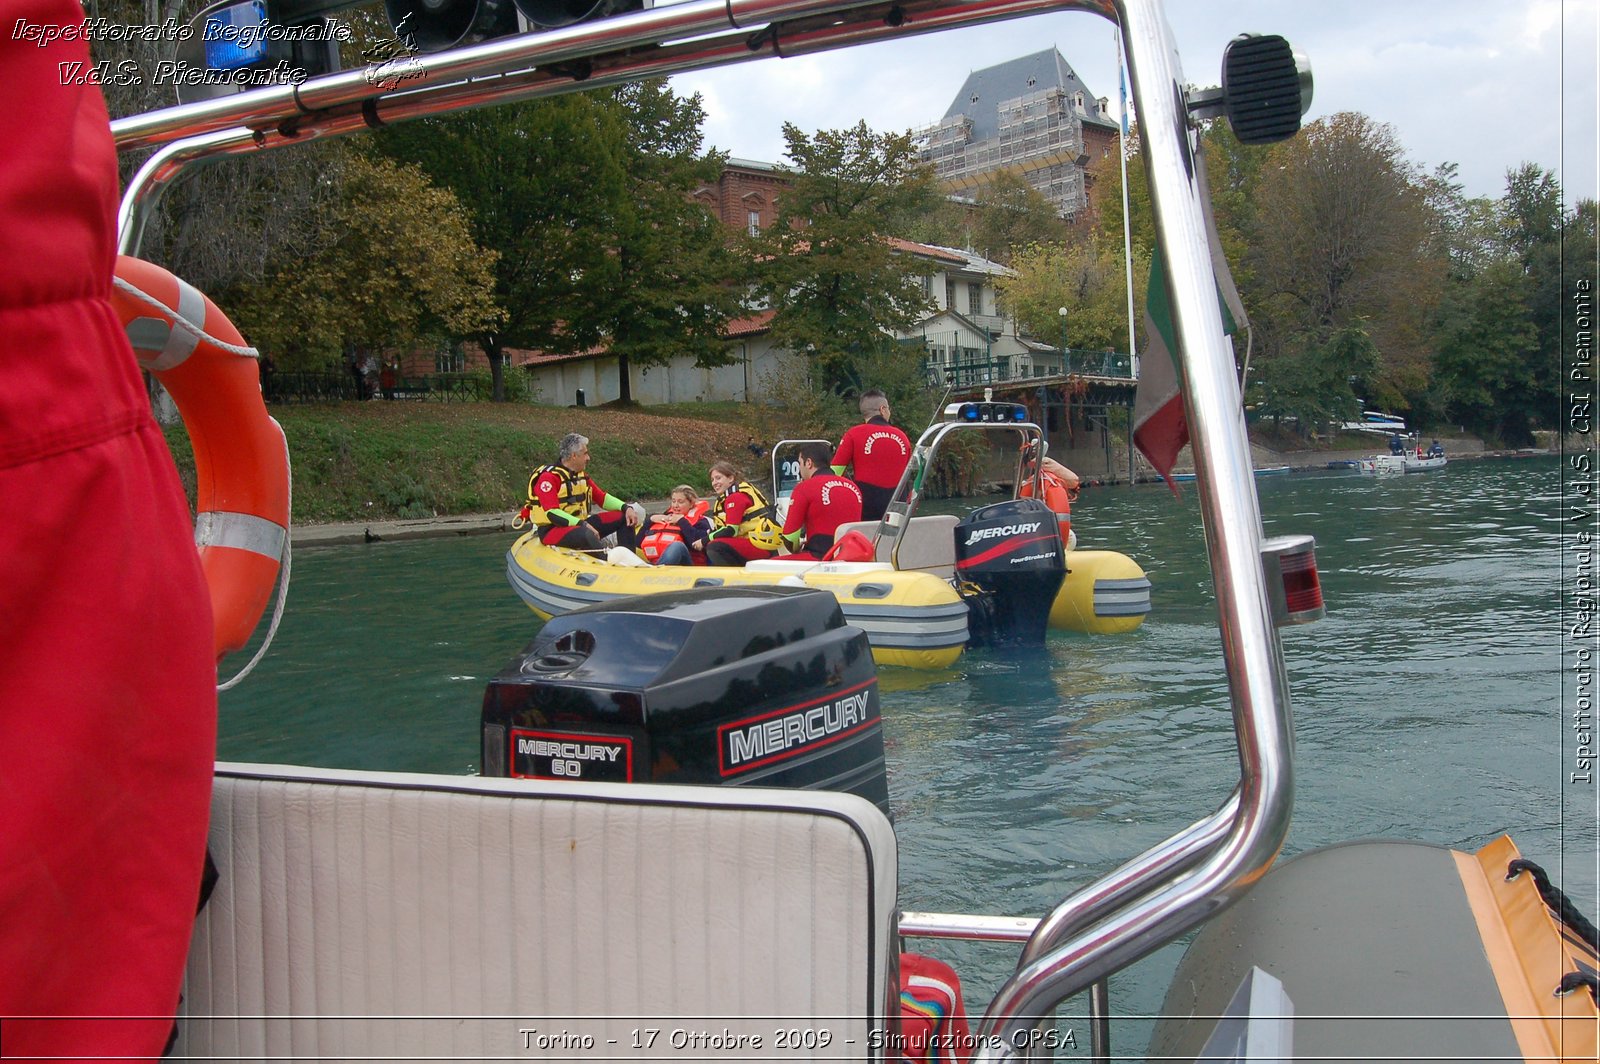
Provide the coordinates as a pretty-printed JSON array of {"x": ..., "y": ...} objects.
[
  {"x": 1100, "y": 364},
  {"x": 279, "y": 387},
  {"x": 967, "y": 372}
]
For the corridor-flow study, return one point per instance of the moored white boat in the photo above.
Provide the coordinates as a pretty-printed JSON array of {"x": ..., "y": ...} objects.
[
  {"x": 1261, "y": 471},
  {"x": 1401, "y": 463}
]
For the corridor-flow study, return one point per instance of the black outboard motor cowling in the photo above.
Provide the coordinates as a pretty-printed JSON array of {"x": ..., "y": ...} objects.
[
  {"x": 728, "y": 686},
  {"x": 1012, "y": 552}
]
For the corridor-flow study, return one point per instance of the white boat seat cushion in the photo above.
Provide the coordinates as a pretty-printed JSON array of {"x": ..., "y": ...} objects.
[
  {"x": 929, "y": 543},
  {"x": 374, "y": 915}
]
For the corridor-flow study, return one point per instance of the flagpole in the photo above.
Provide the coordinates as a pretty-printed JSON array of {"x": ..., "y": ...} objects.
[{"x": 1127, "y": 224}]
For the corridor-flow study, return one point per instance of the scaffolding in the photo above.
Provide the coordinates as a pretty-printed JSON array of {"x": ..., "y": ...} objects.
[{"x": 1039, "y": 138}]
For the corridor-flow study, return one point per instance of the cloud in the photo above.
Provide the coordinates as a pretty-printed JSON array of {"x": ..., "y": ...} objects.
[{"x": 1477, "y": 83}]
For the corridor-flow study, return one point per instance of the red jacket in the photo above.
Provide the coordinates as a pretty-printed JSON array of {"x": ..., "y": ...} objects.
[
  {"x": 878, "y": 450},
  {"x": 821, "y": 503},
  {"x": 107, "y": 682}
]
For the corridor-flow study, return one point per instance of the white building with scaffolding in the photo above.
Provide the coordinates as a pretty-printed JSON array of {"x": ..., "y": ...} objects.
[{"x": 1032, "y": 117}]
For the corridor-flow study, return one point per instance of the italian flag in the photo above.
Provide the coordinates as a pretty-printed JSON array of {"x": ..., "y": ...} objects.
[{"x": 1160, "y": 427}]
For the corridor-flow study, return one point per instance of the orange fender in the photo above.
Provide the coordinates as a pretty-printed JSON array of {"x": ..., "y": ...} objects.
[{"x": 241, "y": 462}]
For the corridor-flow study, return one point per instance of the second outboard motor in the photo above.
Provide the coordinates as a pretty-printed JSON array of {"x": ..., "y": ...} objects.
[{"x": 1012, "y": 552}]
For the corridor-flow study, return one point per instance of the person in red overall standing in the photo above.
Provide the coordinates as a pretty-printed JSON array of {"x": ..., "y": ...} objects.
[
  {"x": 821, "y": 502},
  {"x": 108, "y": 703},
  {"x": 878, "y": 453}
]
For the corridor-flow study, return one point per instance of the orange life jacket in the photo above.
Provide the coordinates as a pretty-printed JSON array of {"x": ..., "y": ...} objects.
[{"x": 664, "y": 533}]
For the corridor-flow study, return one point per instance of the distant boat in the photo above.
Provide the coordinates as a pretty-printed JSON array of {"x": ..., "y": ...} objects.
[
  {"x": 1264, "y": 471},
  {"x": 1402, "y": 463},
  {"x": 1377, "y": 421}
]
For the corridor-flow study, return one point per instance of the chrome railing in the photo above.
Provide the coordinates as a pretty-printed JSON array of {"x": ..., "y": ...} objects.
[{"x": 1174, "y": 886}]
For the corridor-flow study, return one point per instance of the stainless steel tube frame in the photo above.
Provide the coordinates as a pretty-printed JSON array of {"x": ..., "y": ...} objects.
[
  {"x": 1230, "y": 853},
  {"x": 651, "y": 43},
  {"x": 1231, "y": 516}
]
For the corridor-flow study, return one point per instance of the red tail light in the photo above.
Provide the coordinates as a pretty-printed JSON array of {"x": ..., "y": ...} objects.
[{"x": 1293, "y": 585}]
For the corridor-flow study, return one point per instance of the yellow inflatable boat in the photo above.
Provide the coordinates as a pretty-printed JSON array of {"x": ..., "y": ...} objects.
[
  {"x": 915, "y": 619},
  {"x": 999, "y": 576},
  {"x": 910, "y": 607}
]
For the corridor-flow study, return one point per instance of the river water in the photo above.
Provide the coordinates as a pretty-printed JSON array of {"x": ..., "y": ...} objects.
[{"x": 1428, "y": 704}]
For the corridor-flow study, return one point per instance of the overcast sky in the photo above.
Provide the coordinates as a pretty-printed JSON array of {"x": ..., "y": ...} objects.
[{"x": 1486, "y": 85}]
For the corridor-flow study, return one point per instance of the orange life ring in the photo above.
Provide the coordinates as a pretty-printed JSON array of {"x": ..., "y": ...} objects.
[
  {"x": 241, "y": 462},
  {"x": 1057, "y": 496}
]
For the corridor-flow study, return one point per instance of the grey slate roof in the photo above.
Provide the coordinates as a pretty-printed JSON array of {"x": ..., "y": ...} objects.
[{"x": 1017, "y": 77}]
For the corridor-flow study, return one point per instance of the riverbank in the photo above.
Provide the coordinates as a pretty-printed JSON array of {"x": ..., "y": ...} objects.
[
  {"x": 381, "y": 462},
  {"x": 372, "y": 472},
  {"x": 343, "y": 533}
]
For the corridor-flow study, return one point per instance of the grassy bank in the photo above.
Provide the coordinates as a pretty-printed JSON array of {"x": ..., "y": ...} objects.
[
  {"x": 377, "y": 460},
  {"x": 397, "y": 460}
]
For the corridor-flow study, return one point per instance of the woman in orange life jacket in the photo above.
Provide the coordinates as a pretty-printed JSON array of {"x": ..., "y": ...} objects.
[
  {"x": 678, "y": 537},
  {"x": 742, "y": 528},
  {"x": 562, "y": 495}
]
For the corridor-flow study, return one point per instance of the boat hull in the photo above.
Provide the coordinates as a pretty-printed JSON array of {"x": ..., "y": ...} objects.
[
  {"x": 912, "y": 619},
  {"x": 1105, "y": 593},
  {"x": 1370, "y": 938},
  {"x": 1381, "y": 464}
]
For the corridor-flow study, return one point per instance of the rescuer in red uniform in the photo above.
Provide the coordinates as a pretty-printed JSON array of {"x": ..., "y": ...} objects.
[
  {"x": 821, "y": 502},
  {"x": 878, "y": 451}
]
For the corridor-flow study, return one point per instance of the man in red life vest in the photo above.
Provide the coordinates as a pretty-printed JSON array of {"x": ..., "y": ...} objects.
[
  {"x": 878, "y": 451},
  {"x": 570, "y": 509},
  {"x": 821, "y": 502},
  {"x": 108, "y": 702}
]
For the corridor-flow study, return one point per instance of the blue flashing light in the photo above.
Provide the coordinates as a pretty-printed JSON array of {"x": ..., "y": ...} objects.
[
  {"x": 986, "y": 412},
  {"x": 233, "y": 35}
]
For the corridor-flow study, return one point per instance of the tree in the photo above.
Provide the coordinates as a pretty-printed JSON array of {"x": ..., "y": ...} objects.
[
  {"x": 1088, "y": 279},
  {"x": 1005, "y": 216},
  {"x": 671, "y": 293},
  {"x": 838, "y": 287},
  {"x": 1466, "y": 232},
  {"x": 546, "y": 207},
  {"x": 1312, "y": 386},
  {"x": 1481, "y": 370},
  {"x": 1341, "y": 239},
  {"x": 1533, "y": 224},
  {"x": 404, "y": 271}
]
